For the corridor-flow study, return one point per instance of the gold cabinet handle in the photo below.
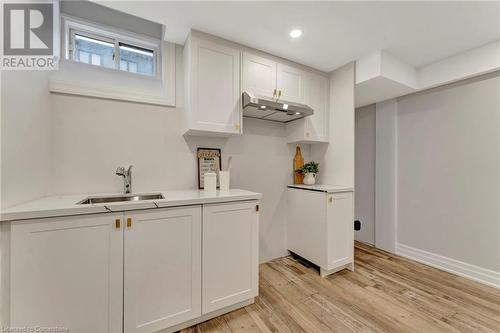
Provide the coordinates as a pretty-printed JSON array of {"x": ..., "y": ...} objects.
[
  {"x": 330, "y": 199},
  {"x": 117, "y": 223},
  {"x": 237, "y": 126},
  {"x": 279, "y": 93},
  {"x": 274, "y": 92},
  {"x": 257, "y": 208},
  {"x": 129, "y": 222}
]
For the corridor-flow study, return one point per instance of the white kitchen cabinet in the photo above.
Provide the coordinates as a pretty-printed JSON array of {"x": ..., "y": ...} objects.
[
  {"x": 291, "y": 83},
  {"x": 320, "y": 226},
  {"x": 315, "y": 128},
  {"x": 265, "y": 77},
  {"x": 340, "y": 231},
  {"x": 212, "y": 79},
  {"x": 162, "y": 268},
  {"x": 230, "y": 254},
  {"x": 67, "y": 272},
  {"x": 259, "y": 75},
  {"x": 134, "y": 271}
]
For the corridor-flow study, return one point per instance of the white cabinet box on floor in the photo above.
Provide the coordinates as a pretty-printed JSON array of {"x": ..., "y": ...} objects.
[{"x": 320, "y": 226}]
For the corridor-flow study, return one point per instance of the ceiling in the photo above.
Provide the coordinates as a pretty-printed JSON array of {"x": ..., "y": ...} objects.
[{"x": 334, "y": 33}]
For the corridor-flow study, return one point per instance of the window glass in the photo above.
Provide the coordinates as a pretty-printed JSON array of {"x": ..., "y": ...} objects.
[
  {"x": 101, "y": 52},
  {"x": 132, "y": 67},
  {"x": 111, "y": 51},
  {"x": 139, "y": 60},
  {"x": 96, "y": 59},
  {"x": 84, "y": 56}
]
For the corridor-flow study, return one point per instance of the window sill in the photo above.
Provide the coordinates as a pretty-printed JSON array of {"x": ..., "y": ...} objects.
[{"x": 72, "y": 88}]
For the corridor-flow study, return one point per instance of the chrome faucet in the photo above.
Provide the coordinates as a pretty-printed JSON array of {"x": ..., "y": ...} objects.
[{"x": 127, "y": 178}]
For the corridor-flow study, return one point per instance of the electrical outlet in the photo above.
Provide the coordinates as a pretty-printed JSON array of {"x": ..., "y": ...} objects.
[{"x": 357, "y": 225}]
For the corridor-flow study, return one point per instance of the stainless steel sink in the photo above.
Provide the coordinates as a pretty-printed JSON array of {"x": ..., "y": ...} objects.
[{"x": 120, "y": 198}]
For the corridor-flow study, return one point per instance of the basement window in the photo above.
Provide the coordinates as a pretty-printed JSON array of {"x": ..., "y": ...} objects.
[
  {"x": 95, "y": 45},
  {"x": 107, "y": 61}
]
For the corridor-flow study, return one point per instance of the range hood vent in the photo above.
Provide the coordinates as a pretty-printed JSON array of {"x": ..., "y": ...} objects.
[{"x": 274, "y": 110}]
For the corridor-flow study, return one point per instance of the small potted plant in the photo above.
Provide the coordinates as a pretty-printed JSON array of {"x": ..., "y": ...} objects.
[{"x": 309, "y": 170}]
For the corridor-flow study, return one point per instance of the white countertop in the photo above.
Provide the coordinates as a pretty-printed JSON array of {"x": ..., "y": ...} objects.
[
  {"x": 323, "y": 188},
  {"x": 66, "y": 205}
]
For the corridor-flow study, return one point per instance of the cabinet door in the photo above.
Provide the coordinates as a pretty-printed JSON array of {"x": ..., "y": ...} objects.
[
  {"x": 317, "y": 97},
  {"x": 291, "y": 83},
  {"x": 215, "y": 95},
  {"x": 340, "y": 215},
  {"x": 315, "y": 128},
  {"x": 259, "y": 75},
  {"x": 230, "y": 254},
  {"x": 162, "y": 268},
  {"x": 306, "y": 225},
  {"x": 67, "y": 272}
]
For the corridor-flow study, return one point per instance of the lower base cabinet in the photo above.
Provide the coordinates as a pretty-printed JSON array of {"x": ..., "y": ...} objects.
[
  {"x": 66, "y": 272},
  {"x": 140, "y": 271},
  {"x": 162, "y": 269},
  {"x": 320, "y": 228},
  {"x": 230, "y": 254}
]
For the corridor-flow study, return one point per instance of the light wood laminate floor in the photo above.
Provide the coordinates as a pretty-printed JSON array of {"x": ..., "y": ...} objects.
[{"x": 386, "y": 293}]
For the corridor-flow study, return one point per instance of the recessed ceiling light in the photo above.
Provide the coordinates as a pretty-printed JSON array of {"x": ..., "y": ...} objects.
[
  {"x": 295, "y": 33},
  {"x": 262, "y": 106},
  {"x": 297, "y": 113}
]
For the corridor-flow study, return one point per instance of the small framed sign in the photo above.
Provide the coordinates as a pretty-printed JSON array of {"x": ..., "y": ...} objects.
[{"x": 209, "y": 160}]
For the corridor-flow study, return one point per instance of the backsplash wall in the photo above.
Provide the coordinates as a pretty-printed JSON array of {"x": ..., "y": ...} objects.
[{"x": 26, "y": 138}]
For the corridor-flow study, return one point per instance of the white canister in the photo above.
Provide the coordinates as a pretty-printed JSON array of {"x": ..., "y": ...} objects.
[
  {"x": 224, "y": 180},
  {"x": 210, "y": 182}
]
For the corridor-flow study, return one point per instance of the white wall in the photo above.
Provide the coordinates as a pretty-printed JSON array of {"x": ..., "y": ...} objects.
[
  {"x": 381, "y": 76},
  {"x": 438, "y": 177},
  {"x": 449, "y": 172},
  {"x": 337, "y": 158},
  {"x": 90, "y": 137},
  {"x": 471, "y": 63},
  {"x": 386, "y": 175},
  {"x": 25, "y": 136},
  {"x": 364, "y": 200}
]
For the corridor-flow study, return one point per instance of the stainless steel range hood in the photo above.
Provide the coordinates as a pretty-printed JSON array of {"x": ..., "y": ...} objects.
[{"x": 270, "y": 109}]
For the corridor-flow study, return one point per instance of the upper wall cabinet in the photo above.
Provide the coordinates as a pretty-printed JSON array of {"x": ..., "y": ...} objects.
[
  {"x": 291, "y": 85},
  {"x": 212, "y": 79},
  {"x": 265, "y": 77},
  {"x": 259, "y": 75},
  {"x": 312, "y": 129},
  {"x": 216, "y": 73}
]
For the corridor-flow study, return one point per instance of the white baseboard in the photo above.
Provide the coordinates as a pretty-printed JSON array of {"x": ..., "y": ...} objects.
[{"x": 476, "y": 273}]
